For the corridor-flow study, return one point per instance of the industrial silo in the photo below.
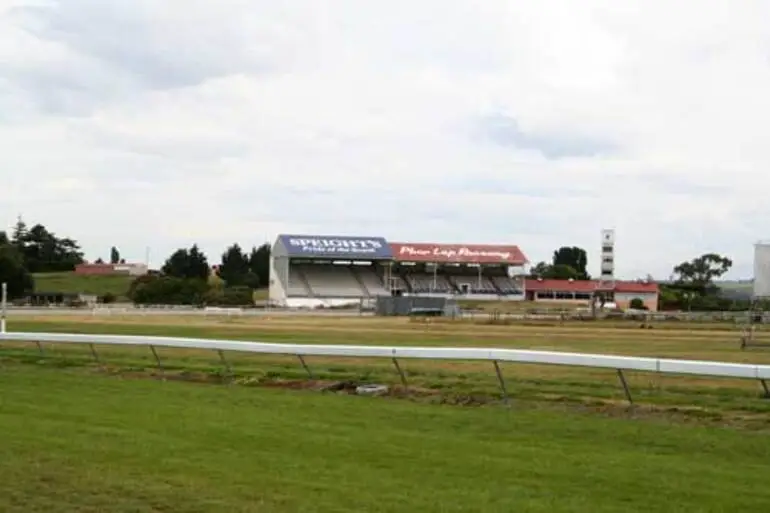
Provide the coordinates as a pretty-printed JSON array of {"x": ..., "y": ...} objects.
[{"x": 762, "y": 269}]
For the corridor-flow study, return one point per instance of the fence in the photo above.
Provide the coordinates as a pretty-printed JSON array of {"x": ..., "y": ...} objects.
[{"x": 760, "y": 373}]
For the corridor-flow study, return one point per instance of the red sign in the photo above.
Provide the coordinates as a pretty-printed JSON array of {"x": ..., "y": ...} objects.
[{"x": 457, "y": 253}]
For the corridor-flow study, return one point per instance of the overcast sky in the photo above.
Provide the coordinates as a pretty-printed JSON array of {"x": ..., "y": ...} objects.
[{"x": 166, "y": 122}]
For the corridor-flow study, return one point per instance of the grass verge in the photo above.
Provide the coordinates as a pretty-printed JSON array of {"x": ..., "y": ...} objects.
[
  {"x": 92, "y": 443},
  {"x": 705, "y": 400}
]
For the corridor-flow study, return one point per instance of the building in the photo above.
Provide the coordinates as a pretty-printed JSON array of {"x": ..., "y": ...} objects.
[
  {"x": 111, "y": 269},
  {"x": 332, "y": 270},
  {"x": 581, "y": 291}
]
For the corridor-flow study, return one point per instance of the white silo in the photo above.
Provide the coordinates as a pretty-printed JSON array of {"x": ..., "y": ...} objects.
[{"x": 762, "y": 269}]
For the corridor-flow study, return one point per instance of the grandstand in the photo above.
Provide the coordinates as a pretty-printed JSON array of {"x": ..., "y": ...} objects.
[
  {"x": 328, "y": 270},
  {"x": 475, "y": 271}
]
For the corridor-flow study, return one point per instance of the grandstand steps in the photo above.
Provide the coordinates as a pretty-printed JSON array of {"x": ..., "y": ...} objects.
[
  {"x": 453, "y": 284},
  {"x": 305, "y": 283},
  {"x": 357, "y": 275}
]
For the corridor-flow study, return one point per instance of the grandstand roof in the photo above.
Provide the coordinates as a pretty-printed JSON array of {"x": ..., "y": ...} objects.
[
  {"x": 627, "y": 287},
  {"x": 457, "y": 253}
]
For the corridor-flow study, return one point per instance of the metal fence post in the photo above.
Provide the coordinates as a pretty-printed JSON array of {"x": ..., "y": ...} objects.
[
  {"x": 40, "y": 348},
  {"x": 157, "y": 359},
  {"x": 94, "y": 354},
  {"x": 4, "y": 306},
  {"x": 401, "y": 373},
  {"x": 226, "y": 364},
  {"x": 304, "y": 366},
  {"x": 625, "y": 387},
  {"x": 765, "y": 388},
  {"x": 502, "y": 382}
]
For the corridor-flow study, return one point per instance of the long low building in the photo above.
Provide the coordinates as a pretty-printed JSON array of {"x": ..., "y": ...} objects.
[{"x": 619, "y": 292}]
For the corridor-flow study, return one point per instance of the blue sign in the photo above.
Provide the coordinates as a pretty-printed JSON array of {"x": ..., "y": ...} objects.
[{"x": 336, "y": 246}]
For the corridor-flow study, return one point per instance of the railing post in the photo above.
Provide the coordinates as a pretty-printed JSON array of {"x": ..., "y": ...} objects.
[
  {"x": 40, "y": 348},
  {"x": 94, "y": 354},
  {"x": 765, "y": 388},
  {"x": 228, "y": 369},
  {"x": 625, "y": 387},
  {"x": 3, "y": 306},
  {"x": 502, "y": 383},
  {"x": 304, "y": 366},
  {"x": 157, "y": 359},
  {"x": 401, "y": 373}
]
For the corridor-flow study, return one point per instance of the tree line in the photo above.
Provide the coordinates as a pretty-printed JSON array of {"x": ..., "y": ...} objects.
[
  {"x": 186, "y": 278},
  {"x": 30, "y": 250}
]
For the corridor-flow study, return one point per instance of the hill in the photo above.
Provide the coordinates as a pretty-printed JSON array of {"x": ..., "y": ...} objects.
[{"x": 71, "y": 283}]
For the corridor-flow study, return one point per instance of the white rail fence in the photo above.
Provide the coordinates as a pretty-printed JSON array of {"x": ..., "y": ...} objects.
[{"x": 760, "y": 373}]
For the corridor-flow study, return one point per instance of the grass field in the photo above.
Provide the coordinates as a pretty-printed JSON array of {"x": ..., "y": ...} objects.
[
  {"x": 705, "y": 400},
  {"x": 71, "y": 283},
  {"x": 87, "y": 442}
]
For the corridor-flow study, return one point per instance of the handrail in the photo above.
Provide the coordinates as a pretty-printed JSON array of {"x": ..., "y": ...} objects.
[{"x": 619, "y": 363}]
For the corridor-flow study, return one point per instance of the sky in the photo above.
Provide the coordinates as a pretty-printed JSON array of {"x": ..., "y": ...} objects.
[{"x": 146, "y": 123}]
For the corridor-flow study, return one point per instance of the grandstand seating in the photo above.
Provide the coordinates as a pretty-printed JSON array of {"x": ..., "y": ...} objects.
[
  {"x": 334, "y": 281},
  {"x": 370, "y": 281},
  {"x": 474, "y": 285},
  {"x": 507, "y": 285},
  {"x": 421, "y": 283}
]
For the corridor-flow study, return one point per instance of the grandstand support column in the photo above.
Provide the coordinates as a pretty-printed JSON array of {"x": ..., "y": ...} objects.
[
  {"x": 401, "y": 373},
  {"x": 304, "y": 366},
  {"x": 502, "y": 383},
  {"x": 627, "y": 391}
]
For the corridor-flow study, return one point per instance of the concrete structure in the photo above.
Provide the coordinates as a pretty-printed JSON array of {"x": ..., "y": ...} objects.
[
  {"x": 314, "y": 271},
  {"x": 762, "y": 270},
  {"x": 607, "y": 266},
  {"x": 333, "y": 270},
  {"x": 582, "y": 291}
]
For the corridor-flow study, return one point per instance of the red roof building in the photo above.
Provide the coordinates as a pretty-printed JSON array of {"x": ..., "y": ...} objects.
[{"x": 619, "y": 292}]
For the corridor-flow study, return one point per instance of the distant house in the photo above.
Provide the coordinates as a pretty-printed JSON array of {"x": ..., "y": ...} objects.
[
  {"x": 581, "y": 291},
  {"x": 111, "y": 269}
]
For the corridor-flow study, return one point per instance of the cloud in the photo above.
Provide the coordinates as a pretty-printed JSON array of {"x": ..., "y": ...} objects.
[{"x": 161, "y": 124}]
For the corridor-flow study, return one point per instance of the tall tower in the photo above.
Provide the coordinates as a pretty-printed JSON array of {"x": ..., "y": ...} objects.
[{"x": 608, "y": 257}]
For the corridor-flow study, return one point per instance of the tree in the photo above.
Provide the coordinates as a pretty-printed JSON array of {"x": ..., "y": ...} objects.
[
  {"x": 637, "y": 304},
  {"x": 234, "y": 268},
  {"x": 573, "y": 257},
  {"x": 187, "y": 264},
  {"x": 554, "y": 272},
  {"x": 259, "y": 264},
  {"x": 168, "y": 290},
  {"x": 114, "y": 255},
  {"x": 698, "y": 275},
  {"x": 43, "y": 251},
  {"x": 14, "y": 272},
  {"x": 4, "y": 238}
]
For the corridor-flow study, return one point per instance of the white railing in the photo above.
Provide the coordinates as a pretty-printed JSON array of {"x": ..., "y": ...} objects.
[{"x": 618, "y": 363}]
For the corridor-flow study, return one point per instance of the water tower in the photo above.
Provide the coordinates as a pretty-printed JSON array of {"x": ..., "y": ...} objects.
[{"x": 759, "y": 296}]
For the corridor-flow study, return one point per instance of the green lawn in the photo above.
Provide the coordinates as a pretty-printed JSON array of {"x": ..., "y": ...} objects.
[
  {"x": 689, "y": 399},
  {"x": 71, "y": 283},
  {"x": 79, "y": 441}
]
